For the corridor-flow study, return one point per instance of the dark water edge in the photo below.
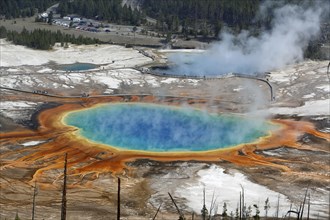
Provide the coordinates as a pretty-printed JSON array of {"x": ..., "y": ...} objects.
[{"x": 33, "y": 122}]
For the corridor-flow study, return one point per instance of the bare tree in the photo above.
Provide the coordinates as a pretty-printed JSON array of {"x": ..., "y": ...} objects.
[
  {"x": 213, "y": 206},
  {"x": 303, "y": 204},
  {"x": 157, "y": 211},
  {"x": 63, "y": 207},
  {"x": 204, "y": 209},
  {"x": 309, "y": 205},
  {"x": 266, "y": 207},
  {"x": 328, "y": 71},
  {"x": 278, "y": 206},
  {"x": 118, "y": 200},
  {"x": 300, "y": 211},
  {"x": 181, "y": 216},
  {"x": 290, "y": 212},
  {"x": 35, "y": 192},
  {"x": 242, "y": 204}
]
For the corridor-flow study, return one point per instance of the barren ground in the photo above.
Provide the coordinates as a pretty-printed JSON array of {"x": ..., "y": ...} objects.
[{"x": 301, "y": 94}]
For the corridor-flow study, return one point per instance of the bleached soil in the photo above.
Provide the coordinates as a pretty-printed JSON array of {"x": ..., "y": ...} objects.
[
  {"x": 15, "y": 55},
  {"x": 300, "y": 89}
]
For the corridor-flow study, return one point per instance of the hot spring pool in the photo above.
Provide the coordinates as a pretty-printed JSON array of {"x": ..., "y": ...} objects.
[
  {"x": 159, "y": 128},
  {"x": 77, "y": 67}
]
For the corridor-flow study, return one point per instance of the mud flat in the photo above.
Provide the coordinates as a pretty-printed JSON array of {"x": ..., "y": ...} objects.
[{"x": 34, "y": 141}]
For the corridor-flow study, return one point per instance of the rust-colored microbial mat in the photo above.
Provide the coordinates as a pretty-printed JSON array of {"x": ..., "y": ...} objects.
[{"x": 85, "y": 157}]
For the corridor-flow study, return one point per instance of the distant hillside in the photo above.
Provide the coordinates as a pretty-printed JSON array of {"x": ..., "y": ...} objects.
[
  {"x": 202, "y": 20},
  {"x": 26, "y": 8},
  {"x": 201, "y": 15}
]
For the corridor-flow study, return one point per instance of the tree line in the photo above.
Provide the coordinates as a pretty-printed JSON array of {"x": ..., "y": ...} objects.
[
  {"x": 199, "y": 17},
  {"x": 23, "y": 8},
  {"x": 106, "y": 10},
  {"x": 44, "y": 39}
]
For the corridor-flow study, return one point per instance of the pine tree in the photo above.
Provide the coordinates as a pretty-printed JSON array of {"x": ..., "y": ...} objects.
[
  {"x": 168, "y": 37},
  {"x": 16, "y": 217},
  {"x": 3, "y": 32},
  {"x": 224, "y": 212},
  {"x": 266, "y": 207},
  {"x": 256, "y": 216},
  {"x": 236, "y": 214},
  {"x": 50, "y": 18},
  {"x": 248, "y": 212},
  {"x": 43, "y": 39}
]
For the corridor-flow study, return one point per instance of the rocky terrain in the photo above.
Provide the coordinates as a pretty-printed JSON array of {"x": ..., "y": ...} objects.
[{"x": 33, "y": 85}]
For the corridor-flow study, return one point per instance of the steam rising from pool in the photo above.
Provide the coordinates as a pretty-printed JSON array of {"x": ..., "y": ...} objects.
[
  {"x": 292, "y": 27},
  {"x": 160, "y": 128}
]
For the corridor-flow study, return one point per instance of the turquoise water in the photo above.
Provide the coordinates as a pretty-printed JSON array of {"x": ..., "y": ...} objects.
[
  {"x": 77, "y": 67},
  {"x": 161, "y": 128}
]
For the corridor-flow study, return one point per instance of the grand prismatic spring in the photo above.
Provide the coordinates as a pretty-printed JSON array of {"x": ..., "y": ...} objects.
[
  {"x": 195, "y": 135},
  {"x": 139, "y": 128},
  {"x": 160, "y": 128},
  {"x": 166, "y": 120}
]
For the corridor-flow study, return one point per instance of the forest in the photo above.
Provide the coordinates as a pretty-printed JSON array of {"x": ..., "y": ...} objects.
[
  {"x": 44, "y": 39},
  {"x": 23, "y": 8},
  {"x": 204, "y": 16},
  {"x": 185, "y": 18},
  {"x": 106, "y": 10},
  {"x": 177, "y": 16}
]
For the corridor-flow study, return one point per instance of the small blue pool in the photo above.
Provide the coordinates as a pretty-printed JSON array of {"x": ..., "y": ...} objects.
[{"x": 77, "y": 67}]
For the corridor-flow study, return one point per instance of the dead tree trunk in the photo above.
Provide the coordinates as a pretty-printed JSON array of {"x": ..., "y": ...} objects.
[
  {"x": 204, "y": 209},
  {"x": 278, "y": 206},
  {"x": 157, "y": 211},
  {"x": 240, "y": 206},
  {"x": 34, "y": 199},
  {"x": 328, "y": 71},
  {"x": 300, "y": 211},
  {"x": 118, "y": 200},
  {"x": 290, "y": 212},
  {"x": 63, "y": 207},
  {"x": 181, "y": 216},
  {"x": 303, "y": 204},
  {"x": 309, "y": 205}
]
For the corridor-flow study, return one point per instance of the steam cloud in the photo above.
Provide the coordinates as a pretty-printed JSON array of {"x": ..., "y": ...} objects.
[{"x": 293, "y": 27}]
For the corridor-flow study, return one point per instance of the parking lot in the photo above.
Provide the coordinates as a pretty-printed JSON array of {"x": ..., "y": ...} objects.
[{"x": 84, "y": 24}]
